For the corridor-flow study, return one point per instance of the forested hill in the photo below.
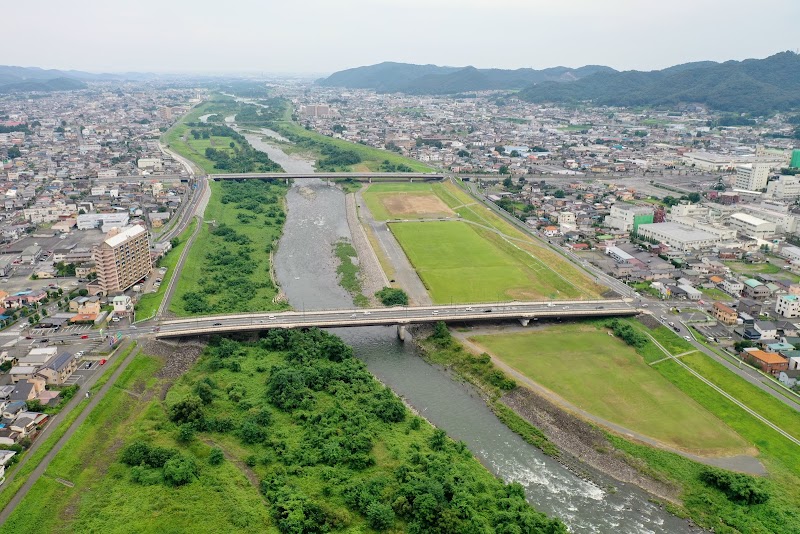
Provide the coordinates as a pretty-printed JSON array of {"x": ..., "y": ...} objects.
[
  {"x": 433, "y": 79},
  {"x": 758, "y": 86},
  {"x": 22, "y": 79}
]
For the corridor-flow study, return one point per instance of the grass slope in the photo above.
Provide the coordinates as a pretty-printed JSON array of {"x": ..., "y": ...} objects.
[
  {"x": 605, "y": 377},
  {"x": 148, "y": 304},
  {"x": 105, "y": 499}
]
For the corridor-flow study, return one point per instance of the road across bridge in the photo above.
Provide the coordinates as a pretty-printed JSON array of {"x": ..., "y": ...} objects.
[
  {"x": 400, "y": 316},
  {"x": 357, "y": 176}
]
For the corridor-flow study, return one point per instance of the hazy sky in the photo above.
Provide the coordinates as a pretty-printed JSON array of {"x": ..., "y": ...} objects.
[{"x": 322, "y": 36}]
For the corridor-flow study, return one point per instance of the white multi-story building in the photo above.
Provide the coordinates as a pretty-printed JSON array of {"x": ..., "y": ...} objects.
[
  {"x": 626, "y": 217},
  {"x": 38, "y": 215},
  {"x": 680, "y": 236},
  {"x": 791, "y": 253},
  {"x": 88, "y": 221},
  {"x": 788, "y": 306},
  {"x": 752, "y": 226},
  {"x": 784, "y": 188},
  {"x": 752, "y": 177}
]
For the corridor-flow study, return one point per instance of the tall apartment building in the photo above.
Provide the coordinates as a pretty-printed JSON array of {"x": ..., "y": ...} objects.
[
  {"x": 752, "y": 177},
  {"x": 784, "y": 188},
  {"x": 123, "y": 259}
]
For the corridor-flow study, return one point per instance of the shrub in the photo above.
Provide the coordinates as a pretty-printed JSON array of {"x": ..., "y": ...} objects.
[
  {"x": 179, "y": 470},
  {"x": 737, "y": 487},
  {"x": 216, "y": 456},
  {"x": 188, "y": 410},
  {"x": 380, "y": 516},
  {"x": 390, "y": 296}
]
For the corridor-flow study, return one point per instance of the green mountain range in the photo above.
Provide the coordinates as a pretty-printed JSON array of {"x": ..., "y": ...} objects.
[
  {"x": 756, "y": 86},
  {"x": 391, "y": 77}
]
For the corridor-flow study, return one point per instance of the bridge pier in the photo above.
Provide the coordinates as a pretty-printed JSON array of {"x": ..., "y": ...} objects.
[
  {"x": 401, "y": 332},
  {"x": 287, "y": 181},
  {"x": 524, "y": 322},
  {"x": 370, "y": 179}
]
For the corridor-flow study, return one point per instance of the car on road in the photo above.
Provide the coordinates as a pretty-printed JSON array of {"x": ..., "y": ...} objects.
[
  {"x": 435, "y": 312},
  {"x": 489, "y": 310},
  {"x": 367, "y": 313},
  {"x": 271, "y": 317},
  {"x": 103, "y": 361},
  {"x": 45, "y": 340},
  {"x": 468, "y": 308},
  {"x": 687, "y": 338},
  {"x": 85, "y": 336},
  {"x": 80, "y": 353},
  {"x": 217, "y": 324}
]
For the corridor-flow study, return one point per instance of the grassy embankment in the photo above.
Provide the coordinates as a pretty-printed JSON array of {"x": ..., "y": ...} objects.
[
  {"x": 708, "y": 506},
  {"x": 607, "y": 378},
  {"x": 291, "y": 434},
  {"x": 148, "y": 303},
  {"x": 228, "y": 267},
  {"x": 453, "y": 257},
  {"x": 11, "y": 487}
]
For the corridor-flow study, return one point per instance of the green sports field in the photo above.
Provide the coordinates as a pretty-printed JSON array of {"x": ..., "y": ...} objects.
[
  {"x": 605, "y": 377},
  {"x": 461, "y": 263}
]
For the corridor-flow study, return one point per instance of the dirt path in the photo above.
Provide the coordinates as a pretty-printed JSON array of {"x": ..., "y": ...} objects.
[
  {"x": 742, "y": 463},
  {"x": 372, "y": 276},
  {"x": 405, "y": 274}
]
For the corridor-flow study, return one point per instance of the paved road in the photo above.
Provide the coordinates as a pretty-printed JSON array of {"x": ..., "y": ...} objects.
[
  {"x": 405, "y": 274},
  {"x": 42, "y": 467},
  {"x": 398, "y": 315},
  {"x": 173, "y": 281}
]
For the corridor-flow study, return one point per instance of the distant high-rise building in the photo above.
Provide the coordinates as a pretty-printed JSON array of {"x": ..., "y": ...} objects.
[
  {"x": 318, "y": 110},
  {"x": 795, "y": 159},
  {"x": 123, "y": 259},
  {"x": 752, "y": 177}
]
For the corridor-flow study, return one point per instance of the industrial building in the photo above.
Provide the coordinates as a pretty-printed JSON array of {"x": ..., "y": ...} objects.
[
  {"x": 752, "y": 226},
  {"x": 679, "y": 236},
  {"x": 628, "y": 217},
  {"x": 105, "y": 221}
]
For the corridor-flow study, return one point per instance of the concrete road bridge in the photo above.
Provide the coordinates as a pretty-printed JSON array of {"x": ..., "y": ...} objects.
[
  {"x": 327, "y": 176},
  {"x": 403, "y": 316}
]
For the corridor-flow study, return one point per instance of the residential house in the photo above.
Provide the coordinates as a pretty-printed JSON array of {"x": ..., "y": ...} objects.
[
  {"x": 756, "y": 290},
  {"x": 767, "y": 329},
  {"x": 789, "y": 378},
  {"x": 732, "y": 286},
  {"x": 57, "y": 370},
  {"x": 769, "y": 362},
  {"x": 724, "y": 314}
]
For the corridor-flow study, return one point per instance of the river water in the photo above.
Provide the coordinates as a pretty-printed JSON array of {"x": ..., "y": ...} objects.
[{"x": 306, "y": 271}]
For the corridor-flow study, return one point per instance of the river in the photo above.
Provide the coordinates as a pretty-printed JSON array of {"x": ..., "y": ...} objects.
[{"x": 306, "y": 271}]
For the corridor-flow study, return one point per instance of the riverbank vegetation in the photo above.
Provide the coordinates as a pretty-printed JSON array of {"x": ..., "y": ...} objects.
[
  {"x": 213, "y": 146},
  {"x": 228, "y": 267},
  {"x": 287, "y": 434},
  {"x": 348, "y": 271},
  {"x": 391, "y": 296}
]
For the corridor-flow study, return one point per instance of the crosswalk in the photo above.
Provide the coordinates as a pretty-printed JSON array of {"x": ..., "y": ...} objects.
[{"x": 72, "y": 329}]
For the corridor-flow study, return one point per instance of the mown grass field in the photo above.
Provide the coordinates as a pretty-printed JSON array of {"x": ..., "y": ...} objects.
[
  {"x": 523, "y": 269},
  {"x": 607, "y": 378},
  {"x": 105, "y": 499},
  {"x": 371, "y": 158},
  {"x": 231, "y": 273},
  {"x": 405, "y": 201},
  {"x": 148, "y": 303}
]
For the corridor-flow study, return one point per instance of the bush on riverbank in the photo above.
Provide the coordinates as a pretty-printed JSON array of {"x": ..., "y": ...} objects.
[{"x": 390, "y": 296}]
